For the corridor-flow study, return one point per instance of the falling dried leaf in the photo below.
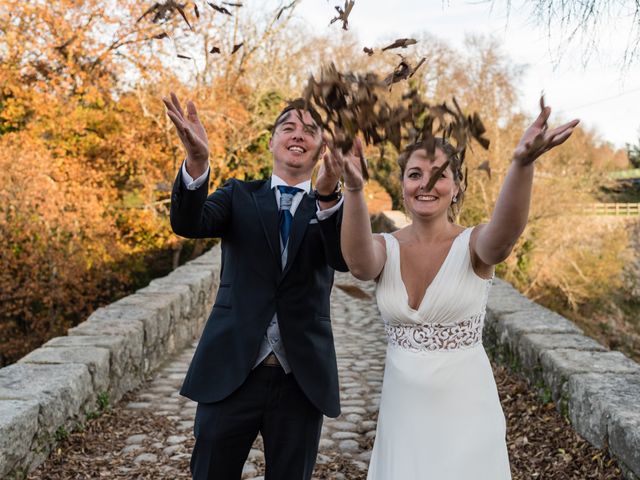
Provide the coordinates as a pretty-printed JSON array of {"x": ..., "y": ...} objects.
[
  {"x": 186, "y": 57},
  {"x": 232, "y": 4},
  {"x": 486, "y": 167},
  {"x": 214, "y": 50},
  {"x": 354, "y": 291},
  {"x": 196, "y": 11},
  {"x": 422, "y": 60},
  {"x": 436, "y": 175},
  {"x": 153, "y": 8},
  {"x": 184, "y": 15},
  {"x": 401, "y": 43},
  {"x": 236, "y": 48},
  {"x": 401, "y": 72},
  {"x": 286, "y": 7},
  {"x": 368, "y": 51},
  {"x": 220, "y": 9},
  {"x": 162, "y": 35},
  {"x": 343, "y": 14}
]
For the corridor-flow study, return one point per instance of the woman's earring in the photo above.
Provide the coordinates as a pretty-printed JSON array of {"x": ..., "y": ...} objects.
[{"x": 455, "y": 200}]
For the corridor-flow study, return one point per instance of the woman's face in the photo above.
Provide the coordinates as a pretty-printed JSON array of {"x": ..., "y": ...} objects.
[{"x": 419, "y": 201}]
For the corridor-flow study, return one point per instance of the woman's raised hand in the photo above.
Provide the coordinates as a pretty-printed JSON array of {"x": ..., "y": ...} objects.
[
  {"x": 538, "y": 139},
  {"x": 191, "y": 133}
]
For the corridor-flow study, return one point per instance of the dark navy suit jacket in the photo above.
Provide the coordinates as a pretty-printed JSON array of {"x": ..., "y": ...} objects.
[{"x": 254, "y": 286}]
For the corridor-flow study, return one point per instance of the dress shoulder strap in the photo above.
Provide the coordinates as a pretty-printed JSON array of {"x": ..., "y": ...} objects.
[{"x": 391, "y": 247}]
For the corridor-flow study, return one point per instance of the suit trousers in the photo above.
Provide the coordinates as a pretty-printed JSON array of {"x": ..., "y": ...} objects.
[{"x": 269, "y": 402}]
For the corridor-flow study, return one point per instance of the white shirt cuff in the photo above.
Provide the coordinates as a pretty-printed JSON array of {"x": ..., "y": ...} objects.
[
  {"x": 189, "y": 182},
  {"x": 324, "y": 214}
]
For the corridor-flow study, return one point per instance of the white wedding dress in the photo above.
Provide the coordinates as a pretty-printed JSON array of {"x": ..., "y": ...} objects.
[{"x": 440, "y": 416}]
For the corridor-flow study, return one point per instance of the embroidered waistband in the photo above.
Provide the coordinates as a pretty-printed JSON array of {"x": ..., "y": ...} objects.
[{"x": 431, "y": 337}]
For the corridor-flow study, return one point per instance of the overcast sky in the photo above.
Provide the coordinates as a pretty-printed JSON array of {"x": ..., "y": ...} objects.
[{"x": 600, "y": 93}]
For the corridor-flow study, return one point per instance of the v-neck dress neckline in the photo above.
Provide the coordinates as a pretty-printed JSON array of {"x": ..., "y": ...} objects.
[
  {"x": 435, "y": 278},
  {"x": 455, "y": 293}
]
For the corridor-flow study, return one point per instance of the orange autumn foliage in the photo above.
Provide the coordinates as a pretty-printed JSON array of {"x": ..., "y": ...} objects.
[{"x": 88, "y": 156}]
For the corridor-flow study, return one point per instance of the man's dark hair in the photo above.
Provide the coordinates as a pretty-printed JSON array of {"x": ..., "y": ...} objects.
[{"x": 299, "y": 105}]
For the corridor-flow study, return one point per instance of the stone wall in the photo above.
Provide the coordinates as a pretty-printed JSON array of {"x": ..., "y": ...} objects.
[
  {"x": 596, "y": 389},
  {"x": 57, "y": 386}
]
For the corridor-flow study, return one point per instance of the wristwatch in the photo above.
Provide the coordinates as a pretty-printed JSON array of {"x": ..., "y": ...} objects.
[{"x": 335, "y": 195}]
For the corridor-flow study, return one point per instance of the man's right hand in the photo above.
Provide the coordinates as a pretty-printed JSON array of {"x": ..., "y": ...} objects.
[{"x": 191, "y": 133}]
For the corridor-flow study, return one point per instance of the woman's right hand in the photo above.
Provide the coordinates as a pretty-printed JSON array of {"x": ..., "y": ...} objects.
[{"x": 191, "y": 133}]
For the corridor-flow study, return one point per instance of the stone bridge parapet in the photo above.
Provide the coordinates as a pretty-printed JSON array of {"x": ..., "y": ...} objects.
[{"x": 56, "y": 387}]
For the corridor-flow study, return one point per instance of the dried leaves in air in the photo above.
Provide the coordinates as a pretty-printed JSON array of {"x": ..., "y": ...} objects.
[
  {"x": 236, "y": 48},
  {"x": 401, "y": 43},
  {"x": 368, "y": 51},
  {"x": 350, "y": 104},
  {"x": 343, "y": 14}
]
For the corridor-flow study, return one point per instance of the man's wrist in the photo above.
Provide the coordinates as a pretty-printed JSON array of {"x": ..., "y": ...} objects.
[
  {"x": 331, "y": 196},
  {"x": 196, "y": 170}
]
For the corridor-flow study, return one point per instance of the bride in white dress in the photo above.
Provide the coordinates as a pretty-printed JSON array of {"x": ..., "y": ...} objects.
[{"x": 440, "y": 416}]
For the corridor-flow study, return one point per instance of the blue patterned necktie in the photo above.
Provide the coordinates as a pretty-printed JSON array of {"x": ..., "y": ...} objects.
[{"x": 286, "y": 198}]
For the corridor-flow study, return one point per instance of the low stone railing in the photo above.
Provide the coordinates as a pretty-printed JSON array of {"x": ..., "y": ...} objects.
[
  {"x": 57, "y": 386},
  {"x": 596, "y": 389}
]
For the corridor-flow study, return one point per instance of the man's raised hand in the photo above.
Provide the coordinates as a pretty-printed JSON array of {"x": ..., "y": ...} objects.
[{"x": 191, "y": 133}]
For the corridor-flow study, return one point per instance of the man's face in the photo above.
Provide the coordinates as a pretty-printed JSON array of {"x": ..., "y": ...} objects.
[{"x": 296, "y": 144}]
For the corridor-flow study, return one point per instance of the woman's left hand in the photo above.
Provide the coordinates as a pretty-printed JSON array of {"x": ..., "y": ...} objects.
[{"x": 538, "y": 139}]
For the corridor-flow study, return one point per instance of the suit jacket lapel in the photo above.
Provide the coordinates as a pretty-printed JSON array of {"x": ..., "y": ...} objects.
[
  {"x": 265, "y": 201},
  {"x": 304, "y": 213}
]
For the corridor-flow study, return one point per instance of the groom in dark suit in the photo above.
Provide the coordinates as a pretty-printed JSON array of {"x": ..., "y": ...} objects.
[{"x": 266, "y": 360}]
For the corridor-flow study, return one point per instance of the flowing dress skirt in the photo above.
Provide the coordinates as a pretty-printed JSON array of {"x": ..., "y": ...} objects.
[{"x": 440, "y": 418}]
